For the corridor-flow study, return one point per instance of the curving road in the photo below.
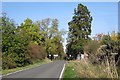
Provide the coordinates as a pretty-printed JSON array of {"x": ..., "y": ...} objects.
[{"x": 50, "y": 70}]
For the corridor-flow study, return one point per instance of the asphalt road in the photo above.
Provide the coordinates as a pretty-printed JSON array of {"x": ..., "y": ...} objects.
[{"x": 50, "y": 70}]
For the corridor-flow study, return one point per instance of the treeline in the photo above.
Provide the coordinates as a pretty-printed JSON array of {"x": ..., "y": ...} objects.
[
  {"x": 101, "y": 53},
  {"x": 100, "y": 48},
  {"x": 30, "y": 41},
  {"x": 103, "y": 57},
  {"x": 104, "y": 47}
]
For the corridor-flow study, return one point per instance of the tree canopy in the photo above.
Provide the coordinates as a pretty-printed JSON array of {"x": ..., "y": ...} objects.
[
  {"x": 79, "y": 29},
  {"x": 30, "y": 41}
]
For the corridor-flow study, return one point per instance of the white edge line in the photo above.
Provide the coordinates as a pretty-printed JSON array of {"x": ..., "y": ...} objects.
[
  {"x": 62, "y": 72},
  {"x": 17, "y": 71}
]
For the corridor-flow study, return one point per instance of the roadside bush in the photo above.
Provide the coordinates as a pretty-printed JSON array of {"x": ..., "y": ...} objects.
[
  {"x": 36, "y": 52},
  {"x": 91, "y": 49},
  {"x": 100, "y": 53},
  {"x": 8, "y": 63}
]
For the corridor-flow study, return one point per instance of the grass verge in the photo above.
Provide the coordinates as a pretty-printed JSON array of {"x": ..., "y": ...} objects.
[
  {"x": 88, "y": 70},
  {"x": 80, "y": 70},
  {"x": 38, "y": 63},
  {"x": 70, "y": 71}
]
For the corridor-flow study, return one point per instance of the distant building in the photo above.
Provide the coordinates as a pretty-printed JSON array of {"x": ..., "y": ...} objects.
[
  {"x": 55, "y": 56},
  {"x": 52, "y": 56},
  {"x": 82, "y": 56}
]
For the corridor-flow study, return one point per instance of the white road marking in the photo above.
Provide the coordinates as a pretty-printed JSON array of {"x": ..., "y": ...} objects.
[
  {"x": 15, "y": 72},
  {"x": 18, "y": 71},
  {"x": 62, "y": 72},
  {"x": 31, "y": 68}
]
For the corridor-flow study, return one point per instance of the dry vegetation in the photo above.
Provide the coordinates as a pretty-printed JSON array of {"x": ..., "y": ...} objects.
[{"x": 89, "y": 70}]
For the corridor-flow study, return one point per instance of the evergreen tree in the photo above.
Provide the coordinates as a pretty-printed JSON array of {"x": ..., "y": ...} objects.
[{"x": 79, "y": 29}]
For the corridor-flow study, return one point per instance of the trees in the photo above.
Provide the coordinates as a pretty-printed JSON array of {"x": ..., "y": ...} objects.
[
  {"x": 29, "y": 42},
  {"x": 109, "y": 47},
  {"x": 14, "y": 45},
  {"x": 79, "y": 28},
  {"x": 32, "y": 30},
  {"x": 8, "y": 31},
  {"x": 112, "y": 44},
  {"x": 52, "y": 36}
]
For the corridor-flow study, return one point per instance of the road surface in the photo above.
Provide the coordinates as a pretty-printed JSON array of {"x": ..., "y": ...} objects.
[{"x": 50, "y": 70}]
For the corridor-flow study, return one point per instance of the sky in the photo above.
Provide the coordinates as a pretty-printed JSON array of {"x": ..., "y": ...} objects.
[
  {"x": 119, "y": 17},
  {"x": 60, "y": 0},
  {"x": 105, "y": 14}
]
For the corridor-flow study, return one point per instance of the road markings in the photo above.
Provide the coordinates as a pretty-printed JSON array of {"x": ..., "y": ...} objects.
[
  {"x": 18, "y": 71},
  {"x": 15, "y": 72},
  {"x": 62, "y": 72}
]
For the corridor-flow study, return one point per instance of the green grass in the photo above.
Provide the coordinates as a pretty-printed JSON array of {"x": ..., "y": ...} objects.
[
  {"x": 6, "y": 71},
  {"x": 70, "y": 71}
]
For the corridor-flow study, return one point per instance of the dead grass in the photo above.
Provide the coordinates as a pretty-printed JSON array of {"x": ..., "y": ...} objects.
[{"x": 88, "y": 70}]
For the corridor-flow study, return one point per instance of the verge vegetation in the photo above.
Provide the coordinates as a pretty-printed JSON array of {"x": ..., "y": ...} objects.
[
  {"x": 38, "y": 63},
  {"x": 101, "y": 53}
]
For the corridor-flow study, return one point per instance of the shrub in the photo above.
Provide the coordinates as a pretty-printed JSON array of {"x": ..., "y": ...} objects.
[
  {"x": 8, "y": 62},
  {"x": 36, "y": 52},
  {"x": 91, "y": 49}
]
